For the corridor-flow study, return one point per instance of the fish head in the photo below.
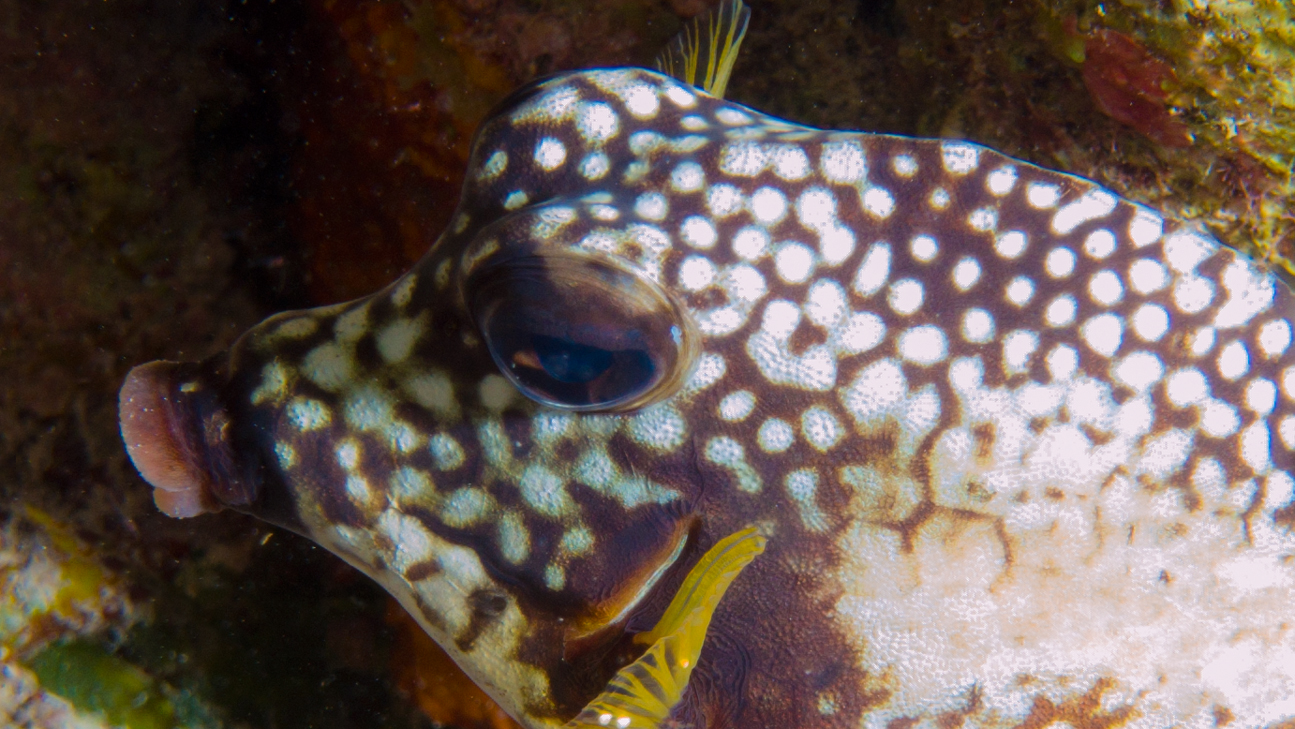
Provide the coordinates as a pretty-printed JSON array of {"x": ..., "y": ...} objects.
[{"x": 499, "y": 437}]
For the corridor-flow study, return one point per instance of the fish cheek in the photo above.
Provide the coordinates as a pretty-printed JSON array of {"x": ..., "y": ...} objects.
[
  {"x": 614, "y": 585},
  {"x": 487, "y": 606},
  {"x": 584, "y": 633}
]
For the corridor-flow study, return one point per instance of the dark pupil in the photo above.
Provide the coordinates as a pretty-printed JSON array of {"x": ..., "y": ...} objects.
[
  {"x": 580, "y": 336},
  {"x": 570, "y": 362},
  {"x": 572, "y": 373}
]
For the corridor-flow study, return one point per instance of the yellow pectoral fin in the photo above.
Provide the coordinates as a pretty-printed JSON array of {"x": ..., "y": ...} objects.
[
  {"x": 707, "y": 581},
  {"x": 642, "y": 694},
  {"x": 704, "y": 51}
]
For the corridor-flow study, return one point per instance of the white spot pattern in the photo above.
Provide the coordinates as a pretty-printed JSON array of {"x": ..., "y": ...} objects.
[
  {"x": 1275, "y": 338},
  {"x": 977, "y": 326},
  {"x": 775, "y": 436},
  {"x": 1011, "y": 244},
  {"x": 651, "y": 206},
  {"x": 1105, "y": 288},
  {"x": 1018, "y": 347},
  {"x": 1060, "y": 262},
  {"x": 1020, "y": 290},
  {"x": 795, "y": 262},
  {"x": 768, "y": 205},
  {"x": 844, "y": 162},
  {"x": 1103, "y": 333},
  {"x": 821, "y": 428},
  {"x": 687, "y": 177},
  {"x": 1145, "y": 228},
  {"x": 1150, "y": 322},
  {"x": 1002, "y": 180},
  {"x": 904, "y": 165},
  {"x": 1042, "y": 194},
  {"x": 597, "y": 123},
  {"x": 879, "y": 202},
  {"x": 737, "y": 406},
  {"x": 939, "y": 198},
  {"x": 1061, "y": 311},
  {"x": 873, "y": 271},
  {"x": 699, "y": 232},
  {"x": 960, "y": 159},
  {"x": 1099, "y": 244},
  {"x": 983, "y": 219},
  {"x": 1092, "y": 205},
  {"x": 595, "y": 166},
  {"x": 923, "y": 345},
  {"x": 1234, "y": 361},
  {"x": 966, "y": 273},
  {"x": 923, "y": 248},
  {"x": 906, "y": 296}
]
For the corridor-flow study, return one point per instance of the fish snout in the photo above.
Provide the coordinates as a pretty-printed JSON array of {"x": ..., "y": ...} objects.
[{"x": 180, "y": 438}]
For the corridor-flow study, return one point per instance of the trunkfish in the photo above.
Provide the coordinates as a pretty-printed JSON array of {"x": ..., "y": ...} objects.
[{"x": 695, "y": 417}]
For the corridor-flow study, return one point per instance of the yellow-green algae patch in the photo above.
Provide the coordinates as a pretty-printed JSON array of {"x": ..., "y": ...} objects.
[
  {"x": 51, "y": 586},
  {"x": 98, "y": 682},
  {"x": 58, "y": 604}
]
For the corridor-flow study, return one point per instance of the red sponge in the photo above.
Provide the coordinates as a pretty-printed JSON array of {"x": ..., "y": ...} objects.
[{"x": 153, "y": 425}]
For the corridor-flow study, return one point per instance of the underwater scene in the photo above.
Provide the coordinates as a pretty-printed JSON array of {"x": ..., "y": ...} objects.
[{"x": 666, "y": 364}]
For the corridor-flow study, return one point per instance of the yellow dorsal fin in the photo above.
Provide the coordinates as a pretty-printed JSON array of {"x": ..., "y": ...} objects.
[
  {"x": 641, "y": 695},
  {"x": 704, "y": 51}
]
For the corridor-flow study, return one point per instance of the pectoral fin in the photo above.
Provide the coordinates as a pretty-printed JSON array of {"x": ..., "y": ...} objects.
[{"x": 642, "y": 694}]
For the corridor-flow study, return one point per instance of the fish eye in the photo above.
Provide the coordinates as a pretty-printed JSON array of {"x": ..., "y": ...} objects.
[{"x": 580, "y": 333}]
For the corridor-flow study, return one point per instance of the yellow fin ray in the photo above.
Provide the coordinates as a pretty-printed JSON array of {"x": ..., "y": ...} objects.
[
  {"x": 703, "y": 53},
  {"x": 642, "y": 694},
  {"x": 707, "y": 581}
]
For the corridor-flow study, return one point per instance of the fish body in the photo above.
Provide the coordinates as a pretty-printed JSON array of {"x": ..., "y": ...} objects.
[{"x": 1020, "y": 449}]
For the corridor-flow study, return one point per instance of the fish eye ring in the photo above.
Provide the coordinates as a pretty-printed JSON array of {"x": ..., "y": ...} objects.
[{"x": 581, "y": 333}]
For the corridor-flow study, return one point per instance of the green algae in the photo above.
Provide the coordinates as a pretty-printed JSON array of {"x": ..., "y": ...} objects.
[{"x": 96, "y": 681}]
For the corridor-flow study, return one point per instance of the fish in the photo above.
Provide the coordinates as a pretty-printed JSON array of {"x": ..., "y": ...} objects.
[{"x": 696, "y": 417}]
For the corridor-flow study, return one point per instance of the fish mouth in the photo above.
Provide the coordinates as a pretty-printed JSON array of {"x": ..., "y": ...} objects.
[
  {"x": 156, "y": 429},
  {"x": 181, "y": 437}
]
